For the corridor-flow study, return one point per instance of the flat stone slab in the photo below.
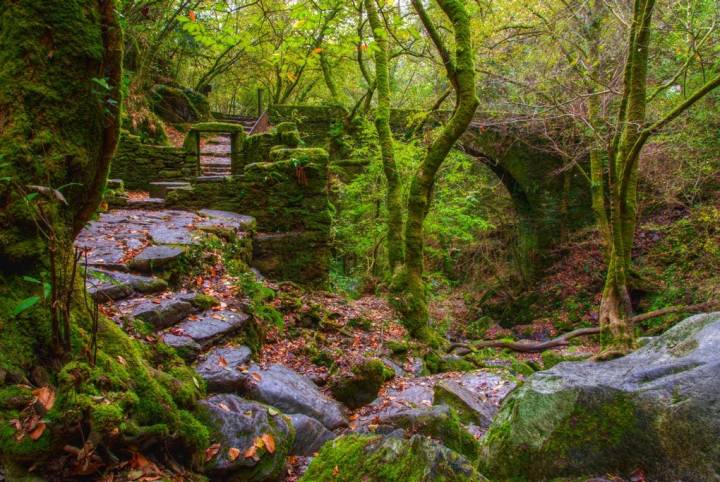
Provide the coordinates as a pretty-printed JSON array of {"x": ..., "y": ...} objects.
[
  {"x": 147, "y": 203},
  {"x": 139, "y": 283},
  {"x": 292, "y": 393},
  {"x": 159, "y": 189},
  {"x": 155, "y": 258},
  {"x": 163, "y": 313},
  {"x": 225, "y": 221},
  {"x": 206, "y": 329},
  {"x": 103, "y": 291},
  {"x": 220, "y": 367}
]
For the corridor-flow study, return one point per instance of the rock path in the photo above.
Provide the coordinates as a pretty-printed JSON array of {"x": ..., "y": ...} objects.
[{"x": 130, "y": 255}]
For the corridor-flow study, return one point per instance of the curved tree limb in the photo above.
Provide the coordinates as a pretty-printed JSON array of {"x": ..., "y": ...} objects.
[{"x": 563, "y": 340}]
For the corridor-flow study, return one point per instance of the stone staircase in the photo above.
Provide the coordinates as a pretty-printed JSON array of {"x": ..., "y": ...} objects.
[
  {"x": 215, "y": 152},
  {"x": 129, "y": 252}
]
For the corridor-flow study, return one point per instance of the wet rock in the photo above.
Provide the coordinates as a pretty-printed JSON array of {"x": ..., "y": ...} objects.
[
  {"x": 209, "y": 328},
  {"x": 156, "y": 258},
  {"x": 219, "y": 368},
  {"x": 292, "y": 393},
  {"x": 657, "y": 409},
  {"x": 162, "y": 313},
  {"x": 225, "y": 220},
  {"x": 310, "y": 435},
  {"x": 376, "y": 459},
  {"x": 168, "y": 234},
  {"x": 240, "y": 423},
  {"x": 146, "y": 203}
]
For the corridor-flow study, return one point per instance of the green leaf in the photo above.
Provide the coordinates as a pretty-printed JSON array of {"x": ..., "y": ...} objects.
[
  {"x": 47, "y": 289},
  {"x": 31, "y": 279},
  {"x": 31, "y": 196},
  {"x": 26, "y": 304}
]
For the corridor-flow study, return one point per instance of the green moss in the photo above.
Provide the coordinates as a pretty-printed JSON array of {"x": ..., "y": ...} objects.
[
  {"x": 354, "y": 458},
  {"x": 397, "y": 347},
  {"x": 204, "y": 302},
  {"x": 106, "y": 418},
  {"x": 363, "y": 387}
]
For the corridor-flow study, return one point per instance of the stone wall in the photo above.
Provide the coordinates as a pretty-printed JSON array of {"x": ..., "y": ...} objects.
[
  {"x": 139, "y": 164},
  {"x": 288, "y": 196}
]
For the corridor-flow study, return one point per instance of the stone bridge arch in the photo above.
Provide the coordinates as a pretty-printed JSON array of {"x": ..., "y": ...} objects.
[{"x": 549, "y": 197}]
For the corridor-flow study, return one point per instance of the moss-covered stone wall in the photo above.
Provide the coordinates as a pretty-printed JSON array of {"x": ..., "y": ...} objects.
[
  {"x": 288, "y": 196},
  {"x": 139, "y": 164}
]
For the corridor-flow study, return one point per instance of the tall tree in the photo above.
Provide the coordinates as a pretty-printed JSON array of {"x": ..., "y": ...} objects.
[
  {"x": 460, "y": 71},
  {"x": 631, "y": 134},
  {"x": 393, "y": 198}
]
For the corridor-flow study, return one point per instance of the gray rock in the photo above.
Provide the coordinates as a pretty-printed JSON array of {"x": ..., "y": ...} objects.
[
  {"x": 146, "y": 203},
  {"x": 102, "y": 291},
  {"x": 115, "y": 184},
  {"x": 160, "y": 189},
  {"x": 239, "y": 423},
  {"x": 164, "y": 313},
  {"x": 292, "y": 393},
  {"x": 374, "y": 458},
  {"x": 186, "y": 347},
  {"x": 169, "y": 234},
  {"x": 657, "y": 409},
  {"x": 219, "y": 368},
  {"x": 208, "y": 328},
  {"x": 155, "y": 258},
  {"x": 142, "y": 284},
  {"x": 310, "y": 435},
  {"x": 471, "y": 405},
  {"x": 230, "y": 219}
]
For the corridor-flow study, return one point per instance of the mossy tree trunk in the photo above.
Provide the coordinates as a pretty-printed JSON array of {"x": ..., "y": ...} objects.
[
  {"x": 632, "y": 132},
  {"x": 393, "y": 197},
  {"x": 460, "y": 71},
  {"x": 60, "y": 68}
]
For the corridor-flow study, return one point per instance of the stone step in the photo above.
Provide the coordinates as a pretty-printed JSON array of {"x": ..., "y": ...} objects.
[
  {"x": 163, "y": 313},
  {"x": 115, "y": 184},
  {"x": 146, "y": 203},
  {"x": 159, "y": 189},
  {"x": 215, "y": 163},
  {"x": 138, "y": 283},
  {"x": 213, "y": 178},
  {"x": 198, "y": 333},
  {"x": 216, "y": 172},
  {"x": 155, "y": 258}
]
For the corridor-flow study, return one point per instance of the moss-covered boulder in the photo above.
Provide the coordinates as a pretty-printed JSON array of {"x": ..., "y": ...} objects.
[
  {"x": 657, "y": 409},
  {"x": 363, "y": 385},
  {"x": 254, "y": 439},
  {"x": 377, "y": 459}
]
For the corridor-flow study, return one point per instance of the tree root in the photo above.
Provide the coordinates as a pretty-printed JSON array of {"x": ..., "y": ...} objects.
[{"x": 563, "y": 340}]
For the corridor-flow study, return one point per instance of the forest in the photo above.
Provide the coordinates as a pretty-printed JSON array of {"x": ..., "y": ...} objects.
[{"x": 360, "y": 240}]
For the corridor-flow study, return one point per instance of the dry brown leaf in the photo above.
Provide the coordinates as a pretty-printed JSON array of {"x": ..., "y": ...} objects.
[
  {"x": 256, "y": 376},
  {"x": 250, "y": 453},
  {"x": 336, "y": 471},
  {"x": 121, "y": 360},
  {"x": 224, "y": 406},
  {"x": 222, "y": 362},
  {"x": 46, "y": 397},
  {"x": 233, "y": 453},
  {"x": 211, "y": 452},
  {"x": 139, "y": 461},
  {"x": 37, "y": 432},
  {"x": 269, "y": 442}
]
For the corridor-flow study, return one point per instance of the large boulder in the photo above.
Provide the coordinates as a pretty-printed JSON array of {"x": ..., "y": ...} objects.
[
  {"x": 379, "y": 459},
  {"x": 254, "y": 439},
  {"x": 657, "y": 410}
]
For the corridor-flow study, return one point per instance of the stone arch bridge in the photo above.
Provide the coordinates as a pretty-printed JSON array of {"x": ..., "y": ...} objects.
[{"x": 550, "y": 198}]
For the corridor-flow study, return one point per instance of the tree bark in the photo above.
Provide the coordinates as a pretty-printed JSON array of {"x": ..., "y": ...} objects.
[
  {"x": 393, "y": 199},
  {"x": 461, "y": 72}
]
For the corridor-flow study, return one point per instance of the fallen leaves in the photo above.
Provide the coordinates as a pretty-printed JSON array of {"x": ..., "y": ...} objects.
[
  {"x": 269, "y": 442},
  {"x": 45, "y": 396},
  {"x": 211, "y": 452},
  {"x": 233, "y": 453}
]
